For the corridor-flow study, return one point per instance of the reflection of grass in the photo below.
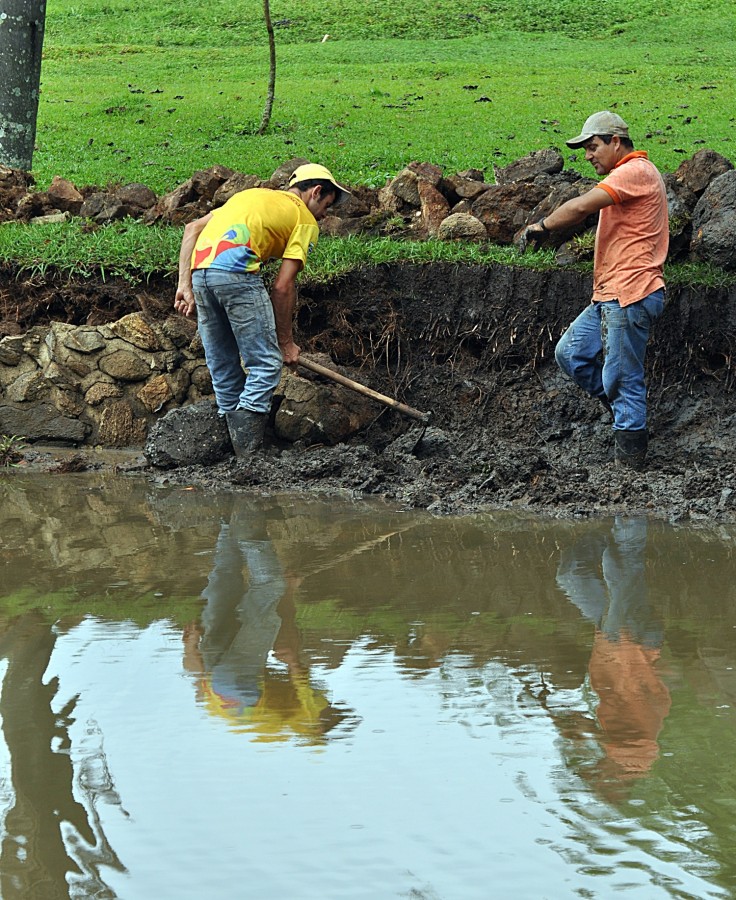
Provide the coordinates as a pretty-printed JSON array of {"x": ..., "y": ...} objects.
[
  {"x": 331, "y": 617},
  {"x": 70, "y": 603}
]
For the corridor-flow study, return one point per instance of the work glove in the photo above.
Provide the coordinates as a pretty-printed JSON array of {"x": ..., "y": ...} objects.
[{"x": 532, "y": 234}]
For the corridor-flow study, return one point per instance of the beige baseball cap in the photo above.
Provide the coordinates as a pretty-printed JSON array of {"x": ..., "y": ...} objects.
[
  {"x": 313, "y": 170},
  {"x": 600, "y": 123}
]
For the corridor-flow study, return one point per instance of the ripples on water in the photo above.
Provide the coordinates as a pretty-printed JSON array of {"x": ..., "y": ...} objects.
[{"x": 222, "y": 696}]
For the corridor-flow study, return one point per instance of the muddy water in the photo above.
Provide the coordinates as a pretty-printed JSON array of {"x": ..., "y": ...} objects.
[{"x": 211, "y": 695}]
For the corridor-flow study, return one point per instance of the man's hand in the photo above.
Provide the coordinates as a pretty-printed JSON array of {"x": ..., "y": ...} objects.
[
  {"x": 184, "y": 301},
  {"x": 531, "y": 234},
  {"x": 290, "y": 353}
]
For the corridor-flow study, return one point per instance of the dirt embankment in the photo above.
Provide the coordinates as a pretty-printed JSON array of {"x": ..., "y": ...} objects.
[{"x": 474, "y": 345}]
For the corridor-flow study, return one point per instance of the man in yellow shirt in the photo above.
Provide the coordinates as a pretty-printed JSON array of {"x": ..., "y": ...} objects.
[
  {"x": 241, "y": 327},
  {"x": 603, "y": 350}
]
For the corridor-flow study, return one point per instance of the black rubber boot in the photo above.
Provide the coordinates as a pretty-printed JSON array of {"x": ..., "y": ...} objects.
[
  {"x": 631, "y": 448},
  {"x": 246, "y": 430}
]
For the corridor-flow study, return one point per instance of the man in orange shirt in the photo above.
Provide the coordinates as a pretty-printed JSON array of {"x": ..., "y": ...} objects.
[{"x": 603, "y": 350}]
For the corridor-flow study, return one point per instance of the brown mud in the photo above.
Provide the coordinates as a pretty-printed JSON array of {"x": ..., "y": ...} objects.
[{"x": 473, "y": 346}]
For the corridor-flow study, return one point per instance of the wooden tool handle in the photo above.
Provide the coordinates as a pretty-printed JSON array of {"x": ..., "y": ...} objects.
[{"x": 366, "y": 391}]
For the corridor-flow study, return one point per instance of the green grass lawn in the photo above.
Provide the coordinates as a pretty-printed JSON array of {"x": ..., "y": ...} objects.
[{"x": 152, "y": 92}]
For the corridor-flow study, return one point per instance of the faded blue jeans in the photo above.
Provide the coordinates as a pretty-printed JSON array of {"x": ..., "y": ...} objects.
[
  {"x": 238, "y": 331},
  {"x": 603, "y": 352}
]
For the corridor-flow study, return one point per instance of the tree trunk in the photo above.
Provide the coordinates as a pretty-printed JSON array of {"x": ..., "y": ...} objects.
[
  {"x": 21, "y": 41},
  {"x": 272, "y": 69}
]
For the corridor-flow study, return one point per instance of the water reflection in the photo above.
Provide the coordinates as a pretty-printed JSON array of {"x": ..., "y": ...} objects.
[
  {"x": 246, "y": 647},
  {"x": 604, "y": 574},
  {"x": 488, "y": 698},
  {"x": 50, "y": 837}
]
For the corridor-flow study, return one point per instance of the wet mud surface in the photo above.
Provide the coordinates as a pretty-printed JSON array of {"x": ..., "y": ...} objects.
[{"x": 474, "y": 346}]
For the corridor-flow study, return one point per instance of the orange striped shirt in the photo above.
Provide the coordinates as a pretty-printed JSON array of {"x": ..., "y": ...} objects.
[{"x": 633, "y": 234}]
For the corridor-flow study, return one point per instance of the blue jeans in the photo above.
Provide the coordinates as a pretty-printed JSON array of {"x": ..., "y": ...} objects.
[
  {"x": 238, "y": 330},
  {"x": 603, "y": 352}
]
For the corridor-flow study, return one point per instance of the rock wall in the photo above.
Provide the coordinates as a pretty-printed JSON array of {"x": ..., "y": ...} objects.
[
  {"x": 421, "y": 201},
  {"x": 98, "y": 385},
  {"x": 106, "y": 385},
  {"x": 401, "y": 329}
]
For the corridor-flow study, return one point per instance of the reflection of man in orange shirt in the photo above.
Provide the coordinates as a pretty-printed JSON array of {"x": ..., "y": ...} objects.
[
  {"x": 604, "y": 576},
  {"x": 633, "y": 700}
]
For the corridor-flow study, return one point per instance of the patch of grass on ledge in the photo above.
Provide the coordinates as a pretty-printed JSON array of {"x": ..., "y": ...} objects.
[
  {"x": 125, "y": 249},
  {"x": 335, "y": 256},
  {"x": 692, "y": 274},
  {"x": 129, "y": 249},
  {"x": 133, "y": 251}
]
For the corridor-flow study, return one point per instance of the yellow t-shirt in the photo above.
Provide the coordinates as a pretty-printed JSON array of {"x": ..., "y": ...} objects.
[{"x": 254, "y": 226}]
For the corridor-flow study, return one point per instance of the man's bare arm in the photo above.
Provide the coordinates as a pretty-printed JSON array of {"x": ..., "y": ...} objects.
[
  {"x": 571, "y": 213},
  {"x": 283, "y": 299},
  {"x": 184, "y": 300}
]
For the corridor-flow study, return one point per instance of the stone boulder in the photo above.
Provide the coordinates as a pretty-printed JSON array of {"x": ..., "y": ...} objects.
[
  {"x": 560, "y": 193},
  {"x": 696, "y": 173},
  {"x": 505, "y": 208},
  {"x": 190, "y": 435},
  {"x": 714, "y": 223},
  {"x": 280, "y": 176},
  {"x": 119, "y": 426},
  {"x": 405, "y": 187},
  {"x": 681, "y": 202},
  {"x": 462, "y": 227},
  {"x": 463, "y": 188},
  {"x": 434, "y": 208},
  {"x": 234, "y": 185},
  {"x": 318, "y": 413},
  {"x": 40, "y": 421},
  {"x": 136, "y": 196},
  {"x": 538, "y": 162},
  {"x": 64, "y": 196},
  {"x": 103, "y": 208},
  {"x": 427, "y": 172},
  {"x": 192, "y": 199},
  {"x": 374, "y": 224},
  {"x": 135, "y": 330},
  {"x": 361, "y": 201},
  {"x": 206, "y": 182}
]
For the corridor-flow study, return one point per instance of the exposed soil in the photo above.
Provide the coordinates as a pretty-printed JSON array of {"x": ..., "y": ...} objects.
[{"x": 473, "y": 345}]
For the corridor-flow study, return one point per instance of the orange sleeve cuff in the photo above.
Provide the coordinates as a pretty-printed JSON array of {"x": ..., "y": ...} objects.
[{"x": 610, "y": 191}]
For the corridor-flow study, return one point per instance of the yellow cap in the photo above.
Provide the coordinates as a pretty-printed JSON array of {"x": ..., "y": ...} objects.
[{"x": 310, "y": 171}]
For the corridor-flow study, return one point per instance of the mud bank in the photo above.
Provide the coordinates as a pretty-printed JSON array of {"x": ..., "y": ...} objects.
[{"x": 474, "y": 346}]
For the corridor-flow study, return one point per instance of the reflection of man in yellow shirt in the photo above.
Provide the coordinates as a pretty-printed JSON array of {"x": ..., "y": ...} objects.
[
  {"x": 249, "y": 620},
  {"x": 286, "y": 707}
]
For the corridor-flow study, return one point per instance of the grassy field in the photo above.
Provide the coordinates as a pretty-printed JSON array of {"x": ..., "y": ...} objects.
[{"x": 153, "y": 91}]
